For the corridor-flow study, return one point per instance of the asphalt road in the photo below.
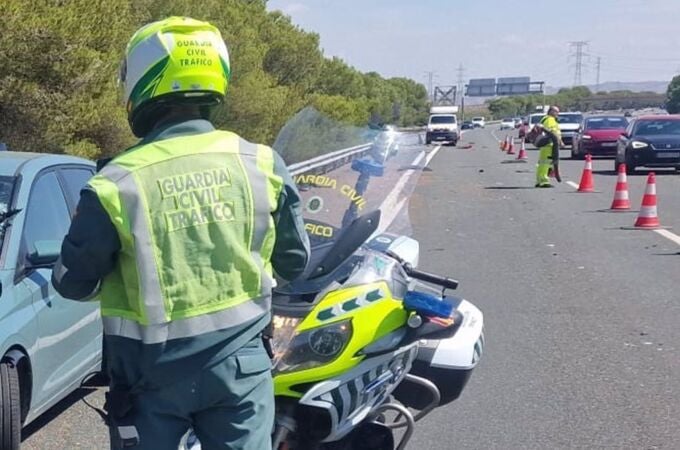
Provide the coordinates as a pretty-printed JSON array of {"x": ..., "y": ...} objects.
[
  {"x": 582, "y": 343},
  {"x": 581, "y": 317}
]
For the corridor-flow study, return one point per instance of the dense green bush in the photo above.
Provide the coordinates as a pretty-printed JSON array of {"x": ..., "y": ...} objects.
[{"x": 59, "y": 61}]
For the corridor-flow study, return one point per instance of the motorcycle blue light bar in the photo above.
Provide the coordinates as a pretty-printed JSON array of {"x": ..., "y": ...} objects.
[
  {"x": 427, "y": 305},
  {"x": 368, "y": 167}
]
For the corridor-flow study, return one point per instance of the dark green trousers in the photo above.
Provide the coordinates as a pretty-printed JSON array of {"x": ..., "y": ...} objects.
[{"x": 229, "y": 406}]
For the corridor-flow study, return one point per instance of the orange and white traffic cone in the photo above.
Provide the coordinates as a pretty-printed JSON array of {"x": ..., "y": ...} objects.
[
  {"x": 587, "y": 184},
  {"x": 522, "y": 152},
  {"x": 505, "y": 144},
  {"x": 511, "y": 148},
  {"x": 648, "y": 217},
  {"x": 501, "y": 145},
  {"x": 621, "y": 199}
]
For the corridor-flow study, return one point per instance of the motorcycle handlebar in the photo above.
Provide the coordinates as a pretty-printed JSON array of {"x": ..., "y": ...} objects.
[{"x": 444, "y": 282}]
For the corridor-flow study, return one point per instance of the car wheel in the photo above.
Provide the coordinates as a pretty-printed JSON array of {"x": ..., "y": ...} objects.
[
  {"x": 630, "y": 169},
  {"x": 10, "y": 407}
]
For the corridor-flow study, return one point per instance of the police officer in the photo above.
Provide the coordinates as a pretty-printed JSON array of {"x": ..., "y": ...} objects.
[
  {"x": 548, "y": 153},
  {"x": 179, "y": 237}
]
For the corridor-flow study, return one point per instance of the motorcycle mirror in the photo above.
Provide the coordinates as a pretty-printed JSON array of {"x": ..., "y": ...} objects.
[{"x": 351, "y": 238}]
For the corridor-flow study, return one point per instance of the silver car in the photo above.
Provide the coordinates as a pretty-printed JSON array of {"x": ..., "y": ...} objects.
[{"x": 48, "y": 344}]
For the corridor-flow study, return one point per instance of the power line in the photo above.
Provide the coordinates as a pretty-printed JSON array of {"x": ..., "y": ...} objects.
[
  {"x": 461, "y": 75},
  {"x": 430, "y": 83},
  {"x": 637, "y": 58},
  {"x": 578, "y": 66},
  {"x": 599, "y": 66}
]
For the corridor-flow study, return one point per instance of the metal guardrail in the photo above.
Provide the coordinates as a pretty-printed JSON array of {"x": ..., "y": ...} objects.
[{"x": 324, "y": 163}]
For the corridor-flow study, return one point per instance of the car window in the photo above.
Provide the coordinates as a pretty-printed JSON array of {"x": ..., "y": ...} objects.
[
  {"x": 443, "y": 119},
  {"x": 606, "y": 123},
  {"x": 536, "y": 119},
  {"x": 657, "y": 127},
  {"x": 6, "y": 188},
  {"x": 74, "y": 180},
  {"x": 570, "y": 118},
  {"x": 47, "y": 216}
]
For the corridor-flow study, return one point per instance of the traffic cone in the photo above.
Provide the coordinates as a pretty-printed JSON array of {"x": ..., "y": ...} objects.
[
  {"x": 648, "y": 217},
  {"x": 511, "y": 148},
  {"x": 621, "y": 199},
  {"x": 501, "y": 145},
  {"x": 505, "y": 144},
  {"x": 587, "y": 184},
  {"x": 522, "y": 152}
]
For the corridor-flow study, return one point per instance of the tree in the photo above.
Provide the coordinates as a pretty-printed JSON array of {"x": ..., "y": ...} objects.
[
  {"x": 59, "y": 63},
  {"x": 673, "y": 96}
]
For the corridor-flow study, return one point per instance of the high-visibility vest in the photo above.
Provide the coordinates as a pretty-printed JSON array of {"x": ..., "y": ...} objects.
[
  {"x": 551, "y": 124},
  {"x": 194, "y": 218}
]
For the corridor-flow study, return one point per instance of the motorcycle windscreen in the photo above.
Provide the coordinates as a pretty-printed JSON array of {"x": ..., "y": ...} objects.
[{"x": 338, "y": 186}]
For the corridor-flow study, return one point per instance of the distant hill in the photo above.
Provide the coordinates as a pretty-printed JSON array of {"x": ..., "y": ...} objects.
[{"x": 658, "y": 87}]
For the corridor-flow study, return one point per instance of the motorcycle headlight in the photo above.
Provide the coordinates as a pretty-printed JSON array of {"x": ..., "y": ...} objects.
[
  {"x": 284, "y": 330},
  {"x": 315, "y": 347}
]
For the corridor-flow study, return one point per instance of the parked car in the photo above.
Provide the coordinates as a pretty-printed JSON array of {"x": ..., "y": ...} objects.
[
  {"x": 479, "y": 122},
  {"x": 508, "y": 124},
  {"x": 650, "y": 141},
  {"x": 48, "y": 344},
  {"x": 597, "y": 136},
  {"x": 467, "y": 125},
  {"x": 518, "y": 121},
  {"x": 569, "y": 123}
]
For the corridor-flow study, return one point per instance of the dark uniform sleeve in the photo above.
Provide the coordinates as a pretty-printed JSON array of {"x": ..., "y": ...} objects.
[
  {"x": 88, "y": 252},
  {"x": 291, "y": 251}
]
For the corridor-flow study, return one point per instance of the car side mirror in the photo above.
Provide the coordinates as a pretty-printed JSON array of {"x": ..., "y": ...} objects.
[{"x": 45, "y": 253}]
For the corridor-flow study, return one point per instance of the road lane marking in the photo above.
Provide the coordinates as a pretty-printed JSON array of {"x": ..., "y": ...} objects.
[
  {"x": 391, "y": 206},
  {"x": 668, "y": 235},
  {"x": 572, "y": 184},
  {"x": 493, "y": 133},
  {"x": 431, "y": 155}
]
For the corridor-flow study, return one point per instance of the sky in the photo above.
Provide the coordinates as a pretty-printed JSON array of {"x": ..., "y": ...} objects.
[{"x": 637, "y": 40}]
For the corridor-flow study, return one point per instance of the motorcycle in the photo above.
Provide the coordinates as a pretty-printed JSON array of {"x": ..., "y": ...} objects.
[{"x": 365, "y": 344}]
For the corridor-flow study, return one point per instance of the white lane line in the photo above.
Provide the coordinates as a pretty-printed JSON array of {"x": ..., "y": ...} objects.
[
  {"x": 668, "y": 235},
  {"x": 493, "y": 134},
  {"x": 390, "y": 207},
  {"x": 431, "y": 155},
  {"x": 572, "y": 184}
]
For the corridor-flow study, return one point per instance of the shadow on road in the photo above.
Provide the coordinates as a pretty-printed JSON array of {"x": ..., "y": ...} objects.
[
  {"x": 55, "y": 411},
  {"x": 412, "y": 167},
  {"x": 659, "y": 173},
  {"x": 88, "y": 387},
  {"x": 506, "y": 188}
]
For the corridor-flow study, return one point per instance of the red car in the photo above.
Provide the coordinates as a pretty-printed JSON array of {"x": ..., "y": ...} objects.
[
  {"x": 598, "y": 136},
  {"x": 523, "y": 129}
]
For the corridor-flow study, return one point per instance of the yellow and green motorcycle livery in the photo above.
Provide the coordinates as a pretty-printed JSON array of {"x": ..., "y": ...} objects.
[{"x": 364, "y": 343}]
